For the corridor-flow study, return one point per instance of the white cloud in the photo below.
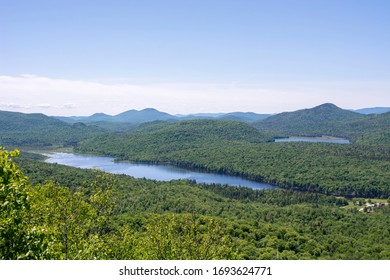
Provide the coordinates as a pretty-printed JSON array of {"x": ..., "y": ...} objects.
[
  {"x": 44, "y": 106},
  {"x": 13, "y": 106},
  {"x": 30, "y": 93}
]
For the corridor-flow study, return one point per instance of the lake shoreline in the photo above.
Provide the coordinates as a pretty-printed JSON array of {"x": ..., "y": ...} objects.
[
  {"x": 314, "y": 139},
  {"x": 153, "y": 170}
]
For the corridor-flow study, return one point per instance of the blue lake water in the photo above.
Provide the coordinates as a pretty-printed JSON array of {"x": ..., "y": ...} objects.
[
  {"x": 150, "y": 171},
  {"x": 314, "y": 140}
]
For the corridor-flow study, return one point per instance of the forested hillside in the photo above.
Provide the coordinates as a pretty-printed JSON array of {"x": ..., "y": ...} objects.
[
  {"x": 38, "y": 130},
  {"x": 155, "y": 141},
  {"x": 372, "y": 130},
  {"x": 320, "y": 120},
  {"x": 72, "y": 213}
]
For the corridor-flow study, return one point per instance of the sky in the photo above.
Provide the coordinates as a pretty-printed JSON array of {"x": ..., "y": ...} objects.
[{"x": 79, "y": 57}]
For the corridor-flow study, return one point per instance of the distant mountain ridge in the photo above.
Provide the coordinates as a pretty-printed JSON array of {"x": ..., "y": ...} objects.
[
  {"x": 131, "y": 116},
  {"x": 244, "y": 116},
  {"x": 375, "y": 110},
  {"x": 150, "y": 114}
]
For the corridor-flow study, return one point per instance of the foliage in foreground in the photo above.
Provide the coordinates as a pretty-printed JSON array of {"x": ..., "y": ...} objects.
[{"x": 18, "y": 238}]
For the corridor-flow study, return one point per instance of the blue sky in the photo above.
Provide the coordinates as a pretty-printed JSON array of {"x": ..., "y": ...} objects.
[{"x": 80, "y": 57}]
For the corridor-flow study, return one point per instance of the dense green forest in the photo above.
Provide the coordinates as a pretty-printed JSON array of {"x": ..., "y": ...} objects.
[
  {"x": 333, "y": 203},
  {"x": 236, "y": 148},
  {"x": 68, "y": 213}
]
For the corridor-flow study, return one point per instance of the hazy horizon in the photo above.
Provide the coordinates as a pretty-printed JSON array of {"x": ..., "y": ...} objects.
[{"x": 194, "y": 113}]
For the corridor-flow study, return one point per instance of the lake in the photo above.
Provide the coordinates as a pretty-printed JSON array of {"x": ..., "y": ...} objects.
[
  {"x": 315, "y": 140},
  {"x": 158, "y": 172}
]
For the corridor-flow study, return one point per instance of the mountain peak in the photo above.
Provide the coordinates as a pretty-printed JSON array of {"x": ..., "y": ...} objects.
[
  {"x": 149, "y": 110},
  {"x": 319, "y": 118},
  {"x": 145, "y": 115},
  {"x": 99, "y": 115},
  {"x": 327, "y": 105}
]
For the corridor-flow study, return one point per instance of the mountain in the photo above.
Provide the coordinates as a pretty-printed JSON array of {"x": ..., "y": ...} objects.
[
  {"x": 131, "y": 116},
  {"x": 199, "y": 116},
  {"x": 318, "y": 120},
  {"x": 145, "y": 115},
  {"x": 204, "y": 115},
  {"x": 248, "y": 117},
  {"x": 328, "y": 119},
  {"x": 375, "y": 110},
  {"x": 18, "y": 129},
  {"x": 244, "y": 117},
  {"x": 150, "y": 115},
  {"x": 97, "y": 117}
]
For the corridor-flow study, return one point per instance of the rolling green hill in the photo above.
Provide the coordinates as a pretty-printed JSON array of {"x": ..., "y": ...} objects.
[
  {"x": 151, "y": 140},
  {"x": 320, "y": 120},
  {"x": 195, "y": 130},
  {"x": 12, "y": 121},
  {"x": 18, "y": 129},
  {"x": 372, "y": 129}
]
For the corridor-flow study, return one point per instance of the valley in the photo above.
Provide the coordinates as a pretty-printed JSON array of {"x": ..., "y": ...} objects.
[{"x": 74, "y": 213}]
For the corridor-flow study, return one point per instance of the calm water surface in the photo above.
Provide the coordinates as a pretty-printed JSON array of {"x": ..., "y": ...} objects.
[
  {"x": 150, "y": 171},
  {"x": 314, "y": 140}
]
